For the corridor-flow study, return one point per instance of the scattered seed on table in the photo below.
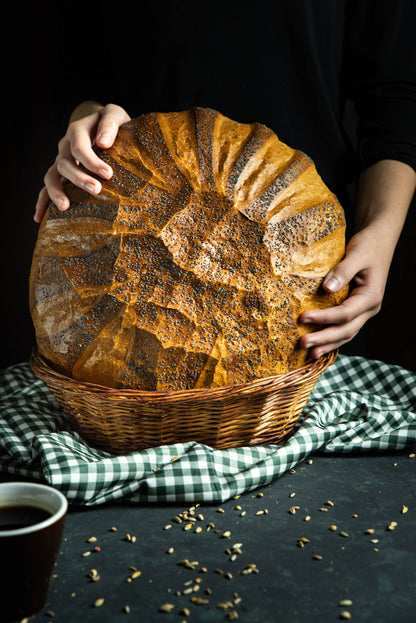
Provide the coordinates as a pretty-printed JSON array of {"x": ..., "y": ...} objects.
[
  {"x": 260, "y": 495},
  {"x": 168, "y": 526},
  {"x": 404, "y": 509},
  {"x": 307, "y": 518},
  {"x": 113, "y": 529},
  {"x": 250, "y": 568},
  {"x": 412, "y": 455},
  {"x": 93, "y": 574},
  {"x": 238, "y": 507},
  {"x": 92, "y": 539},
  {"x": 329, "y": 503},
  {"x": 226, "y": 534},
  {"x": 243, "y": 513},
  {"x": 188, "y": 526},
  {"x": 343, "y": 533},
  {"x": 199, "y": 601},
  {"x": 333, "y": 527},
  {"x": 345, "y": 603},
  {"x": 231, "y": 616},
  {"x": 317, "y": 557},
  {"x": 166, "y": 607},
  {"x": 323, "y": 509},
  {"x": 392, "y": 525},
  {"x": 188, "y": 564},
  {"x": 355, "y": 515},
  {"x": 345, "y": 614},
  {"x": 292, "y": 495},
  {"x": 225, "y": 605},
  {"x": 228, "y": 575},
  {"x": 99, "y": 602},
  {"x": 185, "y": 612},
  {"x": 293, "y": 509},
  {"x": 220, "y": 510},
  {"x": 127, "y": 609},
  {"x": 369, "y": 531},
  {"x": 85, "y": 554},
  {"x": 97, "y": 549},
  {"x": 292, "y": 471},
  {"x": 170, "y": 550}
]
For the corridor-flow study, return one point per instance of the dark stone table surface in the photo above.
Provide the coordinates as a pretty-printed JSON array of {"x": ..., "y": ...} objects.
[{"x": 290, "y": 584}]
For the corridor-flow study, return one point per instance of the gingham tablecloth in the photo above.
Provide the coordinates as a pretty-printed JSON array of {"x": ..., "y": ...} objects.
[{"x": 357, "y": 404}]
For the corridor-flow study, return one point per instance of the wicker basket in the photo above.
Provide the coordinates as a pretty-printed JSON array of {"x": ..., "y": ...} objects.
[{"x": 121, "y": 421}]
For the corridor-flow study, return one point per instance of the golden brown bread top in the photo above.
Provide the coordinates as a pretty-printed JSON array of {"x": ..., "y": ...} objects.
[{"x": 192, "y": 266}]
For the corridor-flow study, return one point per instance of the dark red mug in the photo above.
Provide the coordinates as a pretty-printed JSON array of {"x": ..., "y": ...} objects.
[{"x": 32, "y": 518}]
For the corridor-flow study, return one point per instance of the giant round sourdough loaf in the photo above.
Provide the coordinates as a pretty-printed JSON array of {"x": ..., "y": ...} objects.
[{"x": 192, "y": 266}]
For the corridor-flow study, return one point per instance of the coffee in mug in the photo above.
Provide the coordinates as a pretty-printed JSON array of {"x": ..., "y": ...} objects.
[{"x": 32, "y": 518}]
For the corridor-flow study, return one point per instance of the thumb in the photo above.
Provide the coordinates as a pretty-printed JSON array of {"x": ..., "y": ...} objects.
[
  {"x": 344, "y": 272},
  {"x": 111, "y": 118}
]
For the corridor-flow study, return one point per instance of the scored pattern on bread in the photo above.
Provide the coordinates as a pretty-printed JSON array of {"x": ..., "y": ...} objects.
[{"x": 192, "y": 266}]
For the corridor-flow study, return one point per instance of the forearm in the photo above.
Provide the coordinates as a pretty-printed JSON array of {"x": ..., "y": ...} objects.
[{"x": 385, "y": 193}]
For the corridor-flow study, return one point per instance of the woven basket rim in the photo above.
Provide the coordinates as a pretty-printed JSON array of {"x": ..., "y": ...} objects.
[{"x": 314, "y": 368}]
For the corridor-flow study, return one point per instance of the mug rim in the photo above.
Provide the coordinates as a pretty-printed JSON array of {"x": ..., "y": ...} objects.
[{"x": 54, "y": 518}]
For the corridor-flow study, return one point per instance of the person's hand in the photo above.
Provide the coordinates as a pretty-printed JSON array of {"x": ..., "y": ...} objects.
[
  {"x": 75, "y": 149},
  {"x": 365, "y": 267},
  {"x": 385, "y": 192}
]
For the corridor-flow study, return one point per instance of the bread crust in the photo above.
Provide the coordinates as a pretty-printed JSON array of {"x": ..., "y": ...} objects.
[{"x": 193, "y": 265}]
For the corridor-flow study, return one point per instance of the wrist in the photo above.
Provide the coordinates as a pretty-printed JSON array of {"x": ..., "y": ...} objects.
[
  {"x": 84, "y": 109},
  {"x": 385, "y": 193}
]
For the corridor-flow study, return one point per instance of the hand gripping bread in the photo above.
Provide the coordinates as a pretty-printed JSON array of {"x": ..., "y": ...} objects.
[{"x": 192, "y": 266}]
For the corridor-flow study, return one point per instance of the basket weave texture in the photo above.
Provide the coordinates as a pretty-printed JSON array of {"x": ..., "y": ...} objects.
[{"x": 120, "y": 421}]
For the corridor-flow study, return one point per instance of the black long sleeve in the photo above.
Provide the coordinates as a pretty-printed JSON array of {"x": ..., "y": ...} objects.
[
  {"x": 380, "y": 59},
  {"x": 289, "y": 65}
]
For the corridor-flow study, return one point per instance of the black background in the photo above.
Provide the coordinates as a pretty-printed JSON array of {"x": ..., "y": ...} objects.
[{"x": 30, "y": 130}]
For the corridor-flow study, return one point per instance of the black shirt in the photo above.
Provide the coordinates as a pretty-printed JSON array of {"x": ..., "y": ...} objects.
[{"x": 289, "y": 64}]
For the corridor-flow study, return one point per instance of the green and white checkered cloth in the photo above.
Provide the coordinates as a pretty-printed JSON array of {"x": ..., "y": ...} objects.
[{"x": 357, "y": 404}]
